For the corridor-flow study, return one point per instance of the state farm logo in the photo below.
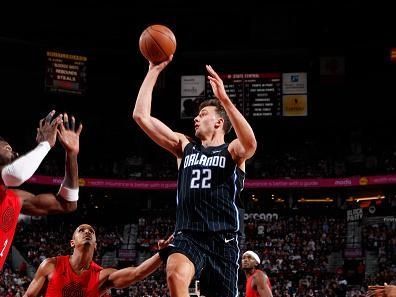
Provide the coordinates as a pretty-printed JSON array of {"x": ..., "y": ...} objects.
[{"x": 363, "y": 181}]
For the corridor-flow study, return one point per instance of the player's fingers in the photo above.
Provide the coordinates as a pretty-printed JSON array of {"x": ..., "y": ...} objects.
[
  {"x": 213, "y": 73},
  {"x": 49, "y": 116},
  {"x": 56, "y": 121},
  {"x": 61, "y": 127},
  {"x": 160, "y": 243},
  {"x": 66, "y": 121},
  {"x": 213, "y": 84},
  {"x": 72, "y": 123},
  {"x": 78, "y": 132},
  {"x": 60, "y": 136},
  {"x": 170, "y": 239}
]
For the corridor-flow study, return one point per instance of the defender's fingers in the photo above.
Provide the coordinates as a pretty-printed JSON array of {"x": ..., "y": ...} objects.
[
  {"x": 79, "y": 129},
  {"x": 66, "y": 121},
  {"x": 56, "y": 121},
  {"x": 49, "y": 116},
  {"x": 72, "y": 123}
]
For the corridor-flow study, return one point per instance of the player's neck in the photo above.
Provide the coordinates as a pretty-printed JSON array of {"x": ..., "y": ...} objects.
[
  {"x": 250, "y": 272},
  {"x": 80, "y": 261},
  {"x": 215, "y": 140}
]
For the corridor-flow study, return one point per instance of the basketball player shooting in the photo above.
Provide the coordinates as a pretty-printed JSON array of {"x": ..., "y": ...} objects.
[{"x": 211, "y": 175}]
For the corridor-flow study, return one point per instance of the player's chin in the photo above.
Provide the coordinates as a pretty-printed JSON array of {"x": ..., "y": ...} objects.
[
  {"x": 197, "y": 133},
  {"x": 6, "y": 160}
]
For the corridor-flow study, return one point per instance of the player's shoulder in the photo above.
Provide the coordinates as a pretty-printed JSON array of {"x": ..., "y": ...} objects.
[
  {"x": 48, "y": 265},
  {"x": 185, "y": 140},
  {"x": 96, "y": 267},
  {"x": 51, "y": 260},
  {"x": 260, "y": 273},
  {"x": 183, "y": 137}
]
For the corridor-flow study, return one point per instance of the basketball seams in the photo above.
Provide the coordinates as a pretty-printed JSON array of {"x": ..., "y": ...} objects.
[
  {"x": 143, "y": 44},
  {"x": 157, "y": 47},
  {"x": 167, "y": 34},
  {"x": 155, "y": 41}
]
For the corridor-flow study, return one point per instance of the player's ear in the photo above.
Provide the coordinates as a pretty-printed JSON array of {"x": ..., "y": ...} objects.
[
  {"x": 219, "y": 122},
  {"x": 72, "y": 244}
]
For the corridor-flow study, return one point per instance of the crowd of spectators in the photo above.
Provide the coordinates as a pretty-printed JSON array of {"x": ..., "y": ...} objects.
[
  {"x": 13, "y": 283},
  {"x": 294, "y": 252}
]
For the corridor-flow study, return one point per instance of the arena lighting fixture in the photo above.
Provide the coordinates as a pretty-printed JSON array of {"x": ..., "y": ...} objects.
[
  {"x": 365, "y": 198},
  {"x": 393, "y": 55},
  {"x": 254, "y": 198},
  {"x": 279, "y": 200},
  {"x": 319, "y": 200},
  {"x": 357, "y": 199}
]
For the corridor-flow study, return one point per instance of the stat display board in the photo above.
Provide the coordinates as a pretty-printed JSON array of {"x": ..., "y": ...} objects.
[
  {"x": 66, "y": 73},
  {"x": 256, "y": 95}
]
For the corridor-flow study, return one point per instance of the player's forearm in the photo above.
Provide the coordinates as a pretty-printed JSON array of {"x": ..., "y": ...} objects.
[
  {"x": 24, "y": 167},
  {"x": 128, "y": 276},
  {"x": 144, "y": 98},
  {"x": 71, "y": 171},
  {"x": 241, "y": 126},
  {"x": 147, "y": 267},
  {"x": 69, "y": 189}
]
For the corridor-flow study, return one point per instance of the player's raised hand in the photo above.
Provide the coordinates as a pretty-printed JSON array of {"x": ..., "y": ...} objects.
[
  {"x": 217, "y": 84},
  {"x": 68, "y": 135},
  {"x": 159, "y": 67},
  {"x": 48, "y": 127}
]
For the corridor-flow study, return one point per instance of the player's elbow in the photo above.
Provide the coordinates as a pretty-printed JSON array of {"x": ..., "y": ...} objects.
[
  {"x": 141, "y": 119},
  {"x": 137, "y": 116},
  {"x": 250, "y": 147},
  {"x": 253, "y": 144},
  {"x": 11, "y": 179}
]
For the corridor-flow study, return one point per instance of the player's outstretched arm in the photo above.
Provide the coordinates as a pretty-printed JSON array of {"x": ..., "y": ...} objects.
[
  {"x": 154, "y": 128},
  {"x": 21, "y": 169},
  {"x": 122, "y": 278}
]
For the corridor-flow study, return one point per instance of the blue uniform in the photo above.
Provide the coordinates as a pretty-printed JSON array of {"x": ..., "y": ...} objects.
[{"x": 207, "y": 216}]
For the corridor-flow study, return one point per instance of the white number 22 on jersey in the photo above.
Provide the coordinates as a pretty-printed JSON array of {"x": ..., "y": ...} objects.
[{"x": 201, "y": 181}]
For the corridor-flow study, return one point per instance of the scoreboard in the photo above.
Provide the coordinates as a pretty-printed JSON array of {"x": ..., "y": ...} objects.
[
  {"x": 65, "y": 73},
  {"x": 256, "y": 95}
]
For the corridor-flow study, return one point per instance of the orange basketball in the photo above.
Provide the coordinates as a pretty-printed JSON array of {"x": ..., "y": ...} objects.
[{"x": 157, "y": 43}]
